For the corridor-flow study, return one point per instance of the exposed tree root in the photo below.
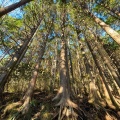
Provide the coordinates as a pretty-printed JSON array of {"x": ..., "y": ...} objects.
[
  {"x": 37, "y": 115},
  {"x": 9, "y": 107},
  {"x": 67, "y": 108},
  {"x": 59, "y": 94},
  {"x": 26, "y": 106},
  {"x": 67, "y": 102},
  {"x": 21, "y": 109},
  {"x": 67, "y": 111}
]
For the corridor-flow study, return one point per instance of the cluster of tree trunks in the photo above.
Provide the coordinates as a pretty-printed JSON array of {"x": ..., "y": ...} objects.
[
  {"x": 17, "y": 58},
  {"x": 103, "y": 64}
]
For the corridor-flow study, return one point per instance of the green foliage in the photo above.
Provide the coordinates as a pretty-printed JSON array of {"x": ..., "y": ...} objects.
[
  {"x": 77, "y": 27},
  {"x": 110, "y": 20},
  {"x": 33, "y": 103}
]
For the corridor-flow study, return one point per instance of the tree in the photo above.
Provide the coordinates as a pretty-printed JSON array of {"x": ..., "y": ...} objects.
[
  {"x": 103, "y": 78},
  {"x": 28, "y": 95},
  {"x": 19, "y": 54},
  {"x": 8, "y": 9},
  {"x": 107, "y": 61},
  {"x": 107, "y": 6},
  {"x": 16, "y": 58},
  {"x": 108, "y": 29},
  {"x": 64, "y": 90},
  {"x": 67, "y": 48},
  {"x": 115, "y": 35}
]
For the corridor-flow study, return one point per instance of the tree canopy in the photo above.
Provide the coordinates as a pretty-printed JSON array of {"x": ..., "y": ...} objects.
[{"x": 69, "y": 51}]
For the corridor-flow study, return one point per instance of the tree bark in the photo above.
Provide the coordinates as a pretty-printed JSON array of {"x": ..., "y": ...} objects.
[
  {"x": 16, "y": 59},
  {"x": 114, "y": 55},
  {"x": 64, "y": 90},
  {"x": 115, "y": 35},
  {"x": 71, "y": 65},
  {"x": 28, "y": 95},
  {"x": 107, "y": 62},
  {"x": 9, "y": 8},
  {"x": 102, "y": 75}
]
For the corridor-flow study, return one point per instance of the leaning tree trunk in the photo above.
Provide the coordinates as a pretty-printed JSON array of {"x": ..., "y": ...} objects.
[
  {"x": 25, "y": 102},
  {"x": 107, "y": 61},
  {"x": 103, "y": 77},
  {"x": 16, "y": 59},
  {"x": 109, "y": 56},
  {"x": 115, "y": 56},
  {"x": 9, "y": 8},
  {"x": 115, "y": 35},
  {"x": 28, "y": 95}
]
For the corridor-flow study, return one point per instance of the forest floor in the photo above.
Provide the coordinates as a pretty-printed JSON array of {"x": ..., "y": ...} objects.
[{"x": 43, "y": 108}]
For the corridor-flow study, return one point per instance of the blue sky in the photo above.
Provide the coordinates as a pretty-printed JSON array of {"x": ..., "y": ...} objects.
[
  {"x": 15, "y": 13},
  {"x": 7, "y": 2}
]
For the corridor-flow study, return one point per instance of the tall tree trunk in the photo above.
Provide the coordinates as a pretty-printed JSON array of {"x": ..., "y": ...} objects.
[
  {"x": 16, "y": 59},
  {"x": 115, "y": 35},
  {"x": 82, "y": 62},
  {"x": 102, "y": 75},
  {"x": 29, "y": 92},
  {"x": 107, "y": 60},
  {"x": 71, "y": 65},
  {"x": 114, "y": 56},
  {"x": 64, "y": 91},
  {"x": 9, "y": 8},
  {"x": 54, "y": 67},
  {"x": 93, "y": 96}
]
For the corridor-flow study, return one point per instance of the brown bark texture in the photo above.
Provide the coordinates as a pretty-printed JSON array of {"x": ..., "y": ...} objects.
[{"x": 12, "y": 7}]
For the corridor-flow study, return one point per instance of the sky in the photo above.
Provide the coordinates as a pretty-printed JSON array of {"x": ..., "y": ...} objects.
[
  {"x": 15, "y": 13},
  {"x": 7, "y": 2}
]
